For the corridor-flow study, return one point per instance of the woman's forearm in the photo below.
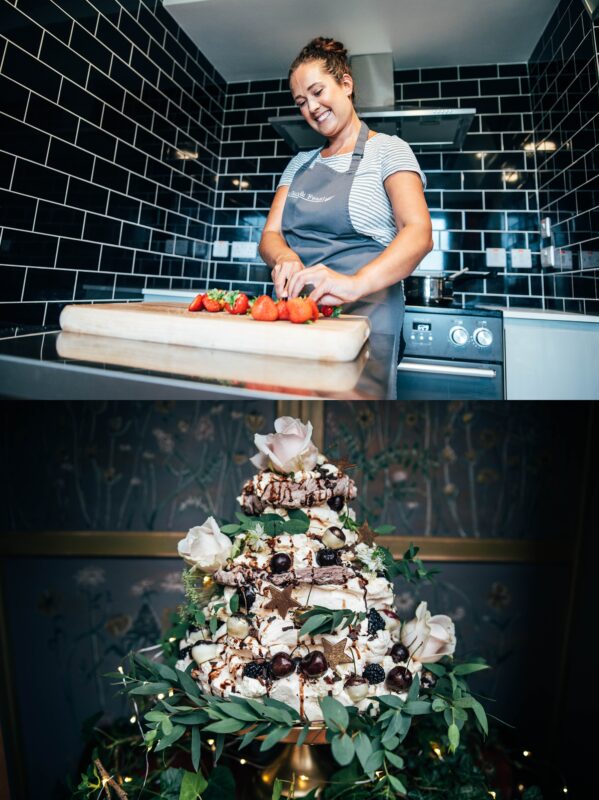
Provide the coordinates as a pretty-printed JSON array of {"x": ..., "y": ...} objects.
[
  {"x": 273, "y": 246},
  {"x": 397, "y": 261}
]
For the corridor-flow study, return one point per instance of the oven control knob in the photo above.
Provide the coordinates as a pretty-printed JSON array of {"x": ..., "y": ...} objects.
[
  {"x": 458, "y": 335},
  {"x": 483, "y": 337}
]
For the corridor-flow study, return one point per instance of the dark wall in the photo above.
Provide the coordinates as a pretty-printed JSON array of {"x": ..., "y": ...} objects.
[
  {"x": 565, "y": 100},
  {"x": 95, "y": 98}
]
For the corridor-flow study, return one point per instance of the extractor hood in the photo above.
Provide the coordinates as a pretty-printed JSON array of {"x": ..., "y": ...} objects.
[{"x": 427, "y": 128}]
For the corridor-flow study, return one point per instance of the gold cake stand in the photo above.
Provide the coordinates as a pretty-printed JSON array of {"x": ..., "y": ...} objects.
[{"x": 311, "y": 763}]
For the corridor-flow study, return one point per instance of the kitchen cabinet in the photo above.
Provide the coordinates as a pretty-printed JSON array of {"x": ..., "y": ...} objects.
[{"x": 551, "y": 355}]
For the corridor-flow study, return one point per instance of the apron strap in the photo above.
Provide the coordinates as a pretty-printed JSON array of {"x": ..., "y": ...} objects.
[{"x": 359, "y": 150}]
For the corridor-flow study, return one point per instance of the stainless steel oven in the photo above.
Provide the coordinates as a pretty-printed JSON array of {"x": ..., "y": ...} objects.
[{"x": 451, "y": 353}]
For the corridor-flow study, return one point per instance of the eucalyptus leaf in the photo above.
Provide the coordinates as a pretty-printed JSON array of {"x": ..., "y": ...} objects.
[
  {"x": 230, "y": 529},
  {"x": 467, "y": 669},
  {"x": 453, "y": 735},
  {"x": 167, "y": 741},
  {"x": 342, "y": 747},
  {"x": 187, "y": 683},
  {"x": 303, "y": 734},
  {"x": 196, "y": 747},
  {"x": 167, "y": 726},
  {"x": 166, "y": 672},
  {"x": 277, "y": 789},
  {"x": 334, "y": 713},
  {"x": 394, "y": 759},
  {"x": 397, "y": 784},
  {"x": 274, "y": 737},
  {"x": 225, "y": 726},
  {"x": 417, "y": 707},
  {"x": 312, "y": 623},
  {"x": 151, "y": 688},
  {"x": 363, "y": 748}
]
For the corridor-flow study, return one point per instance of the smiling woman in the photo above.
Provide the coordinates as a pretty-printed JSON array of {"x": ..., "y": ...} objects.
[{"x": 350, "y": 219}]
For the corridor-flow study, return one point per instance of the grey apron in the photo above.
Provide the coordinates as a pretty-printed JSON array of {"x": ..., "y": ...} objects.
[{"x": 317, "y": 226}]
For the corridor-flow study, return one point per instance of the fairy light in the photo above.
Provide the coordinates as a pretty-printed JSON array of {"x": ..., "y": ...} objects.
[
  {"x": 161, "y": 696},
  {"x": 526, "y": 753},
  {"x": 242, "y": 761},
  {"x": 210, "y": 742},
  {"x": 105, "y": 780},
  {"x": 521, "y": 787},
  {"x": 437, "y": 752},
  {"x": 493, "y": 794},
  {"x": 133, "y": 720},
  {"x": 121, "y": 670},
  {"x": 173, "y": 639},
  {"x": 207, "y": 580},
  {"x": 565, "y": 790},
  {"x": 127, "y": 779},
  {"x": 171, "y": 692}
]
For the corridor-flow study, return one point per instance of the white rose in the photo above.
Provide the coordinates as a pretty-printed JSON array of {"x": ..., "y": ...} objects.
[
  {"x": 429, "y": 638},
  {"x": 290, "y": 449},
  {"x": 206, "y": 547}
]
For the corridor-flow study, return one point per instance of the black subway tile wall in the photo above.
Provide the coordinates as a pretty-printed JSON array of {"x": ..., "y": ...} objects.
[
  {"x": 565, "y": 105},
  {"x": 97, "y": 101}
]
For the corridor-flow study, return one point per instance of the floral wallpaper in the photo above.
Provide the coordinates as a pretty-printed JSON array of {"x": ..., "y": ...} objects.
[
  {"x": 463, "y": 469},
  {"x": 481, "y": 470},
  {"x": 127, "y": 465}
]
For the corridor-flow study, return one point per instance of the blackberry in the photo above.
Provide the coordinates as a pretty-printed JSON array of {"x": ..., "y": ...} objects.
[
  {"x": 375, "y": 622},
  {"x": 327, "y": 557},
  {"x": 253, "y": 670},
  {"x": 374, "y": 673}
]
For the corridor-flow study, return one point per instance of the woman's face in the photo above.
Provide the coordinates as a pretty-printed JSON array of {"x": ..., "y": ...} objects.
[{"x": 325, "y": 104}]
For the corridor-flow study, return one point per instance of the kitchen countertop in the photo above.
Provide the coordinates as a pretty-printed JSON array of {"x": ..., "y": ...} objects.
[{"x": 31, "y": 367}]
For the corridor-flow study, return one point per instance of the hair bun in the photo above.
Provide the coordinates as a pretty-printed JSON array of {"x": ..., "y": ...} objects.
[{"x": 328, "y": 45}]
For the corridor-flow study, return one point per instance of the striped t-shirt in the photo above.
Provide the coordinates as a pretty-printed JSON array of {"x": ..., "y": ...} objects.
[{"x": 370, "y": 210}]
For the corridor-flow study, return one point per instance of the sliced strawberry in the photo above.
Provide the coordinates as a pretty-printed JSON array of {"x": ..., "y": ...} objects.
[
  {"x": 197, "y": 303},
  {"x": 330, "y": 311},
  {"x": 282, "y": 309},
  {"x": 264, "y": 309}
]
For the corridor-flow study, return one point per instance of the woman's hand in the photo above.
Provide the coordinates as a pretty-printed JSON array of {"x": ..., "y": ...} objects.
[
  {"x": 285, "y": 268},
  {"x": 330, "y": 287}
]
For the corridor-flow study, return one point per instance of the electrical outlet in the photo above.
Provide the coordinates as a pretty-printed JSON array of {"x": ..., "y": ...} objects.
[
  {"x": 521, "y": 258},
  {"x": 247, "y": 250},
  {"x": 496, "y": 257},
  {"x": 548, "y": 256},
  {"x": 220, "y": 249},
  {"x": 546, "y": 227}
]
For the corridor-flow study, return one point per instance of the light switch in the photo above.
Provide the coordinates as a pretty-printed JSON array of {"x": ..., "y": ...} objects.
[
  {"x": 247, "y": 250},
  {"x": 521, "y": 258},
  {"x": 220, "y": 249},
  {"x": 496, "y": 257}
]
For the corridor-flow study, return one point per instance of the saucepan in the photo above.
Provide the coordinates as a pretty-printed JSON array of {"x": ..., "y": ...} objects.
[{"x": 434, "y": 289}]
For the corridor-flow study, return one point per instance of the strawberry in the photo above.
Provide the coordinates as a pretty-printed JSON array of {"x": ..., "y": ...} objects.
[
  {"x": 300, "y": 309},
  {"x": 314, "y": 309},
  {"x": 197, "y": 303},
  {"x": 330, "y": 311},
  {"x": 264, "y": 309},
  {"x": 282, "y": 309},
  {"x": 214, "y": 300},
  {"x": 236, "y": 302}
]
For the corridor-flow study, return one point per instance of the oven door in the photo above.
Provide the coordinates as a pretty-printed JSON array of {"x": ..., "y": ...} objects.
[{"x": 435, "y": 379}]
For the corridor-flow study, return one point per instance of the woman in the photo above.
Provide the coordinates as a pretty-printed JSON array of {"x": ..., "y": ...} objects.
[{"x": 350, "y": 219}]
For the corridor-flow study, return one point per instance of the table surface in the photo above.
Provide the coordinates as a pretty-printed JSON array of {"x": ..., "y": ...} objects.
[{"x": 31, "y": 368}]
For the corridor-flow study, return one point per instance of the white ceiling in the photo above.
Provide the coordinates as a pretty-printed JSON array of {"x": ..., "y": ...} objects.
[{"x": 251, "y": 39}]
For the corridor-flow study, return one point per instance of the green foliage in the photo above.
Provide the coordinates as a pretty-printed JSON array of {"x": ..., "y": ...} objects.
[
  {"x": 269, "y": 524},
  {"x": 319, "y": 619}
]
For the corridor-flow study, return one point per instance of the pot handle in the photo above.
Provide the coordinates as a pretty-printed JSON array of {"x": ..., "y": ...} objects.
[{"x": 455, "y": 275}]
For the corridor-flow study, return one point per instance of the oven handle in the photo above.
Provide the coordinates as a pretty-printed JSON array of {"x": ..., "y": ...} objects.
[{"x": 442, "y": 369}]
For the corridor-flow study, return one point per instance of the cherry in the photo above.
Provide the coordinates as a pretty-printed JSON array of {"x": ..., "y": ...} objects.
[
  {"x": 427, "y": 679},
  {"x": 281, "y": 665},
  {"x": 399, "y": 679},
  {"x": 326, "y": 557},
  {"x": 280, "y": 562},
  {"x": 336, "y": 503},
  {"x": 399, "y": 653},
  {"x": 314, "y": 664}
]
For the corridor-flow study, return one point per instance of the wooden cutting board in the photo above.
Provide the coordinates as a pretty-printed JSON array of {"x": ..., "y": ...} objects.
[
  {"x": 329, "y": 339},
  {"x": 247, "y": 370}
]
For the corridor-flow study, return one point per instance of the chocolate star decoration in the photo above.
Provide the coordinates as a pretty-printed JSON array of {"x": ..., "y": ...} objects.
[
  {"x": 335, "y": 653},
  {"x": 367, "y": 535},
  {"x": 343, "y": 464},
  {"x": 281, "y": 600}
]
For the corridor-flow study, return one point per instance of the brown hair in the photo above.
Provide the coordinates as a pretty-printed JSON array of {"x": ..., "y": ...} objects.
[{"x": 325, "y": 49}]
